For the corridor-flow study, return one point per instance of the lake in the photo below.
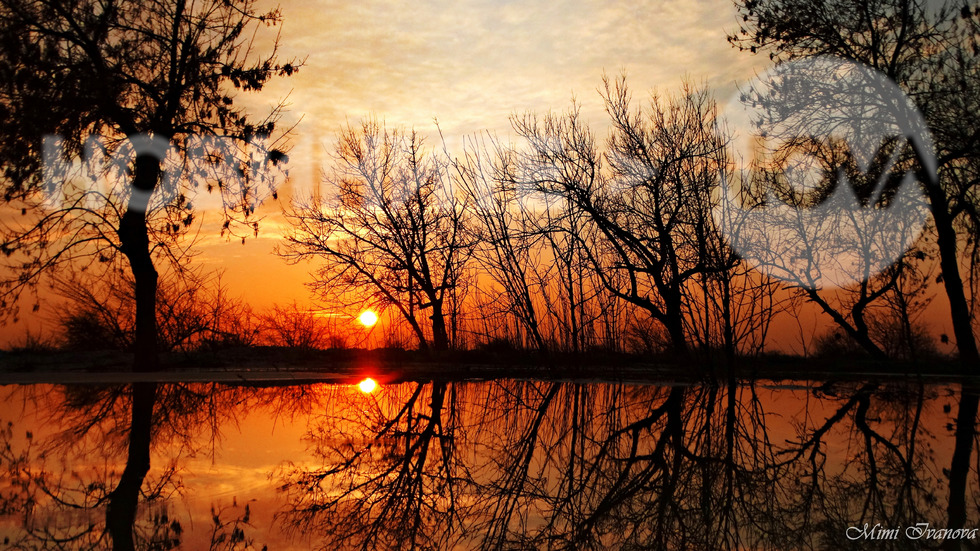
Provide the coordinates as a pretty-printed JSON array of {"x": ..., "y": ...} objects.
[{"x": 504, "y": 464}]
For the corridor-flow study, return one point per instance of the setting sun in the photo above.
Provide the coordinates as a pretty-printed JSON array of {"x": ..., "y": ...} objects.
[
  {"x": 368, "y": 318},
  {"x": 367, "y": 386}
]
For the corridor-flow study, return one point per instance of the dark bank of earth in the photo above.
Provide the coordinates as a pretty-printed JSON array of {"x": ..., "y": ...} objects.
[{"x": 269, "y": 364}]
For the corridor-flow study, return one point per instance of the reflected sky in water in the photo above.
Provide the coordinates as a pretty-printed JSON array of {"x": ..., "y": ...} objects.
[{"x": 493, "y": 465}]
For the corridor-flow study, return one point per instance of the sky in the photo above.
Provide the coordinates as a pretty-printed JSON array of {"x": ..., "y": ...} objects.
[
  {"x": 468, "y": 65},
  {"x": 472, "y": 64}
]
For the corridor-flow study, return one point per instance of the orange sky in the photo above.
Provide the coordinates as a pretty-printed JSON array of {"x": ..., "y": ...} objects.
[{"x": 468, "y": 64}]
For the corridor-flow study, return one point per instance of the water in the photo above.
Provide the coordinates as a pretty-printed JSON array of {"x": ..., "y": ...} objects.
[{"x": 497, "y": 465}]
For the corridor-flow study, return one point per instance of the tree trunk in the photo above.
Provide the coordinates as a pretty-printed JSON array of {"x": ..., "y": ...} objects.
[
  {"x": 674, "y": 321},
  {"x": 726, "y": 315},
  {"x": 966, "y": 344},
  {"x": 539, "y": 341},
  {"x": 136, "y": 246},
  {"x": 959, "y": 308},
  {"x": 121, "y": 511},
  {"x": 959, "y": 470},
  {"x": 440, "y": 338}
]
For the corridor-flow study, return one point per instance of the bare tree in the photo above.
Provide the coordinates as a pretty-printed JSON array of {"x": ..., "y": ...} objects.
[
  {"x": 194, "y": 312},
  {"x": 390, "y": 230},
  {"x": 573, "y": 295},
  {"x": 533, "y": 246},
  {"x": 503, "y": 233},
  {"x": 927, "y": 50},
  {"x": 931, "y": 53},
  {"x": 651, "y": 209},
  {"x": 824, "y": 213},
  {"x": 146, "y": 92},
  {"x": 400, "y": 484},
  {"x": 296, "y": 327},
  {"x": 152, "y": 81}
]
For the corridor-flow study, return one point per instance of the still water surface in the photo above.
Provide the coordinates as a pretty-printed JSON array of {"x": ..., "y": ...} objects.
[{"x": 494, "y": 465}]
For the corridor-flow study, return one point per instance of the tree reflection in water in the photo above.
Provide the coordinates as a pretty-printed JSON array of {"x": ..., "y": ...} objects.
[
  {"x": 562, "y": 465},
  {"x": 502, "y": 465},
  {"x": 88, "y": 483}
]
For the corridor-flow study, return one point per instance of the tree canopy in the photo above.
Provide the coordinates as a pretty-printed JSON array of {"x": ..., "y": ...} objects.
[{"x": 145, "y": 93}]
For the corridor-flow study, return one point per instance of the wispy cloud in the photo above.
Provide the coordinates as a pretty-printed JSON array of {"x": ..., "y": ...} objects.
[{"x": 472, "y": 64}]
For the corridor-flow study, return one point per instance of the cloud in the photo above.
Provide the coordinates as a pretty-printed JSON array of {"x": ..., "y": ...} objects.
[{"x": 474, "y": 63}]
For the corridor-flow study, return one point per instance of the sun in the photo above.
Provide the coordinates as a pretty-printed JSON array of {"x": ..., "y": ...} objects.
[
  {"x": 368, "y": 385},
  {"x": 368, "y": 318}
]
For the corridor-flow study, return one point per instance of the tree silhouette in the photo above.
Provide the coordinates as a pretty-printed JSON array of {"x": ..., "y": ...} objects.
[
  {"x": 504, "y": 236},
  {"x": 651, "y": 207},
  {"x": 534, "y": 247},
  {"x": 931, "y": 53},
  {"x": 153, "y": 83},
  {"x": 295, "y": 327},
  {"x": 391, "y": 230},
  {"x": 69, "y": 467},
  {"x": 146, "y": 92},
  {"x": 535, "y": 464},
  {"x": 194, "y": 312}
]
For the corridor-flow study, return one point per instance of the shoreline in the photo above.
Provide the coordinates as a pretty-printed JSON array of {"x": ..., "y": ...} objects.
[{"x": 390, "y": 366}]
